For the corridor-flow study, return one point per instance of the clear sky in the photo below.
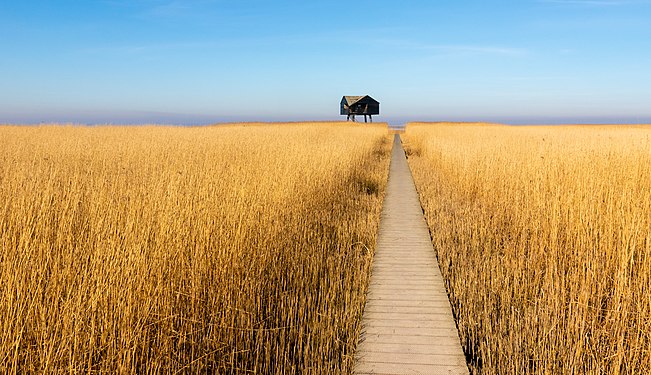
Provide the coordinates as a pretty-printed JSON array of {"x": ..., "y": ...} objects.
[{"x": 201, "y": 61}]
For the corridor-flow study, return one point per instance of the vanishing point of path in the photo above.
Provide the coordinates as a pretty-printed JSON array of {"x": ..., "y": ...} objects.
[{"x": 407, "y": 326}]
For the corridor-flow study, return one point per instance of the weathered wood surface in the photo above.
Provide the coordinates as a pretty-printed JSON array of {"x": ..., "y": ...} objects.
[{"x": 407, "y": 326}]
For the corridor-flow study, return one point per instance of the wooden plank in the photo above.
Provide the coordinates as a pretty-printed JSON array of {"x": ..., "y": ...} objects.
[
  {"x": 407, "y": 326},
  {"x": 408, "y": 308},
  {"x": 408, "y": 323},
  {"x": 417, "y": 358},
  {"x": 406, "y": 341},
  {"x": 381, "y": 304},
  {"x": 416, "y": 349},
  {"x": 383, "y": 368}
]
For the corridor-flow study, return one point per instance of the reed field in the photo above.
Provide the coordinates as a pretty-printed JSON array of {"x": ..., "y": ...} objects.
[
  {"x": 543, "y": 236},
  {"x": 224, "y": 249}
]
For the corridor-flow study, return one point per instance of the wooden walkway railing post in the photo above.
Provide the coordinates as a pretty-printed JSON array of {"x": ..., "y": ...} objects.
[{"x": 407, "y": 326}]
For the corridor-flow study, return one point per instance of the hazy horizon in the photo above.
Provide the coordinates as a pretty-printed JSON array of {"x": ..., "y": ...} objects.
[{"x": 149, "y": 118}]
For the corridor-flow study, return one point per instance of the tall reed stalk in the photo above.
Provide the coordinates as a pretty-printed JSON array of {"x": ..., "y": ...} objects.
[
  {"x": 543, "y": 235},
  {"x": 227, "y": 249}
]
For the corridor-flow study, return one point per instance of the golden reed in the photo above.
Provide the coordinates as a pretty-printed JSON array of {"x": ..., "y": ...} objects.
[
  {"x": 543, "y": 235},
  {"x": 228, "y": 249}
]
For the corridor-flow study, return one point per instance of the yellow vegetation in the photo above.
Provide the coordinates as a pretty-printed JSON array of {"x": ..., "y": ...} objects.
[
  {"x": 159, "y": 249},
  {"x": 544, "y": 237}
]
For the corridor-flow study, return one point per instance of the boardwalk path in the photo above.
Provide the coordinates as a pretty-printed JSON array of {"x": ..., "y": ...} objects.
[{"x": 408, "y": 326}]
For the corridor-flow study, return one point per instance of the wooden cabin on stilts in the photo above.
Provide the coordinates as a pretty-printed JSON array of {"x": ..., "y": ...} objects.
[{"x": 359, "y": 105}]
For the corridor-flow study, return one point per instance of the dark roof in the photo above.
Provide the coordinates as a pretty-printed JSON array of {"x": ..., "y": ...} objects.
[{"x": 350, "y": 99}]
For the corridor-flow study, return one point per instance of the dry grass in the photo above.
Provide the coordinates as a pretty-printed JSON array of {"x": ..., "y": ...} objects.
[
  {"x": 544, "y": 237},
  {"x": 160, "y": 250}
]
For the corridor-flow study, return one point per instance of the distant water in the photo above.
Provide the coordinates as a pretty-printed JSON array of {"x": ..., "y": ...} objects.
[{"x": 395, "y": 122}]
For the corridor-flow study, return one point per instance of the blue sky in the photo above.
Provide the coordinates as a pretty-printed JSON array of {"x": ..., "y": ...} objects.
[{"x": 202, "y": 61}]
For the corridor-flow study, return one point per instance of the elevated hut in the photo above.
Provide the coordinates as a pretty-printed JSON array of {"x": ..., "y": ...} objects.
[{"x": 359, "y": 105}]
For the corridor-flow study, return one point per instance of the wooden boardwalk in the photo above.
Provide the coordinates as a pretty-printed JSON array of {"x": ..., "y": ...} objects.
[{"x": 407, "y": 326}]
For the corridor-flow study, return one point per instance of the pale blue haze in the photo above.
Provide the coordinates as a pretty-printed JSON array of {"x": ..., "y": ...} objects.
[{"x": 202, "y": 61}]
